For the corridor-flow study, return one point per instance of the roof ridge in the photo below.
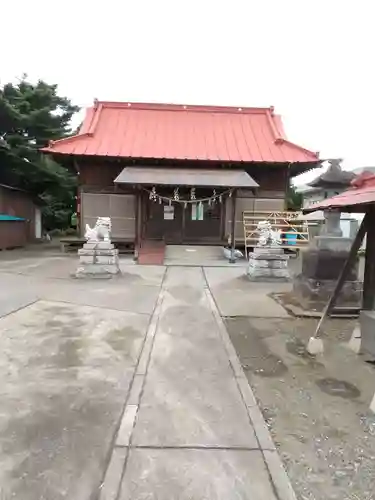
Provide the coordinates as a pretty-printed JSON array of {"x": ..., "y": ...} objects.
[
  {"x": 65, "y": 140},
  {"x": 279, "y": 139},
  {"x": 182, "y": 107},
  {"x": 98, "y": 106},
  {"x": 272, "y": 125},
  {"x": 297, "y": 146}
]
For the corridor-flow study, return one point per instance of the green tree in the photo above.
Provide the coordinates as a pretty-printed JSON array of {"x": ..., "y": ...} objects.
[
  {"x": 30, "y": 116},
  {"x": 294, "y": 199}
]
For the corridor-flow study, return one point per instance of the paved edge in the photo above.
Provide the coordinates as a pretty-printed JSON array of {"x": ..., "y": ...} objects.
[
  {"x": 109, "y": 488},
  {"x": 24, "y": 306},
  {"x": 279, "y": 477},
  {"x": 115, "y": 468}
]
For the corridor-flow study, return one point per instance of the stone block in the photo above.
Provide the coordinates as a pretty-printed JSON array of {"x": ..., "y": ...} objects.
[
  {"x": 268, "y": 264},
  {"x": 89, "y": 246},
  {"x": 268, "y": 274},
  {"x": 96, "y": 251},
  {"x": 272, "y": 264},
  {"x": 106, "y": 259},
  {"x": 98, "y": 261},
  {"x": 324, "y": 264},
  {"x": 367, "y": 322},
  {"x": 97, "y": 270},
  {"x": 86, "y": 259},
  {"x": 100, "y": 245},
  {"x": 355, "y": 341},
  {"x": 372, "y": 404},
  {"x": 332, "y": 243},
  {"x": 315, "y": 293},
  {"x": 268, "y": 256},
  {"x": 268, "y": 250},
  {"x": 105, "y": 245}
]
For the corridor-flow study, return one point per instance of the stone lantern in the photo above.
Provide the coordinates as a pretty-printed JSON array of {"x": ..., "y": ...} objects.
[
  {"x": 326, "y": 254},
  {"x": 334, "y": 180}
]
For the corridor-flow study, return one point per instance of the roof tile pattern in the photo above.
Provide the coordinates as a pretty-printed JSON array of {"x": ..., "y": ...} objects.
[
  {"x": 164, "y": 131},
  {"x": 361, "y": 193}
]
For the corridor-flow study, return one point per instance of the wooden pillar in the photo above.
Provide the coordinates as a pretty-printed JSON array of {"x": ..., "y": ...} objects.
[
  {"x": 138, "y": 222},
  {"x": 79, "y": 212},
  {"x": 232, "y": 259},
  {"x": 368, "y": 299},
  {"x": 78, "y": 201}
]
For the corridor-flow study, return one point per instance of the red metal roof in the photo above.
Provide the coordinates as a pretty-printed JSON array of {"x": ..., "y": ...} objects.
[
  {"x": 167, "y": 131},
  {"x": 354, "y": 199}
]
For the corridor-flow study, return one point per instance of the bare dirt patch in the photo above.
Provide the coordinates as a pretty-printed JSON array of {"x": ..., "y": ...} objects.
[{"x": 317, "y": 409}]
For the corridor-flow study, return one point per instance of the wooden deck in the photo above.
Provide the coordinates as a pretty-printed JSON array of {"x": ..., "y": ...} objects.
[{"x": 124, "y": 246}]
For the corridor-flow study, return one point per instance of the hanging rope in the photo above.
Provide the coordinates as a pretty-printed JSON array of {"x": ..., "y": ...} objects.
[{"x": 176, "y": 198}]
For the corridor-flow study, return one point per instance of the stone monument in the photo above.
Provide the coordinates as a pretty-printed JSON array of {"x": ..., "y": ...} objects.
[
  {"x": 322, "y": 263},
  {"x": 98, "y": 258},
  {"x": 268, "y": 261},
  {"x": 326, "y": 255}
]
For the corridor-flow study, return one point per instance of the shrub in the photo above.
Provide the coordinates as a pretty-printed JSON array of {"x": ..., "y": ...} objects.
[
  {"x": 55, "y": 233},
  {"x": 71, "y": 231}
]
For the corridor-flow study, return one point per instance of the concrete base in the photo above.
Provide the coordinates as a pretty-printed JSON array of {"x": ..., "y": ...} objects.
[
  {"x": 372, "y": 405},
  {"x": 268, "y": 264},
  {"x": 314, "y": 293},
  {"x": 354, "y": 343},
  {"x": 98, "y": 260},
  {"x": 315, "y": 346},
  {"x": 367, "y": 322},
  {"x": 363, "y": 339}
]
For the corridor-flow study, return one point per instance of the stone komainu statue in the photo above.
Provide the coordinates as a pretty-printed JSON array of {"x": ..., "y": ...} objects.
[
  {"x": 100, "y": 232},
  {"x": 267, "y": 236}
]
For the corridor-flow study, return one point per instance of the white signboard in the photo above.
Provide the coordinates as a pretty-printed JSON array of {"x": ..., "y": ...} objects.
[{"x": 168, "y": 212}]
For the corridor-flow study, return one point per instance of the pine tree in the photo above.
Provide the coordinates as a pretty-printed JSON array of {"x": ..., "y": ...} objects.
[{"x": 30, "y": 116}]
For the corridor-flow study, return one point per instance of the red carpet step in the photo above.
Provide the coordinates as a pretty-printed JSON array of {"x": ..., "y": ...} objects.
[{"x": 151, "y": 253}]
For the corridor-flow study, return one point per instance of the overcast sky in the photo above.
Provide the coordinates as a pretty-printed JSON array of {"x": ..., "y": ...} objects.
[{"x": 312, "y": 59}]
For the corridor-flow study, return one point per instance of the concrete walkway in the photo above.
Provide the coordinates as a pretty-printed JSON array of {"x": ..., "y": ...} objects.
[
  {"x": 191, "y": 428},
  {"x": 129, "y": 388}
]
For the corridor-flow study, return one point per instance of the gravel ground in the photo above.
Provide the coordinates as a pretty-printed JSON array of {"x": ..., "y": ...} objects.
[{"x": 317, "y": 409}]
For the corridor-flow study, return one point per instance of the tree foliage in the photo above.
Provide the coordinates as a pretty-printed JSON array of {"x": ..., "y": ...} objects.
[
  {"x": 30, "y": 116},
  {"x": 294, "y": 199}
]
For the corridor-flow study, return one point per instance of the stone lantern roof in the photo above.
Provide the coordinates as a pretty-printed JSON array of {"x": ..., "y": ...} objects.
[{"x": 333, "y": 177}]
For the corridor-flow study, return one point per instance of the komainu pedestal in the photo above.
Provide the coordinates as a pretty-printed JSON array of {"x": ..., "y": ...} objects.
[
  {"x": 98, "y": 260},
  {"x": 268, "y": 264}
]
